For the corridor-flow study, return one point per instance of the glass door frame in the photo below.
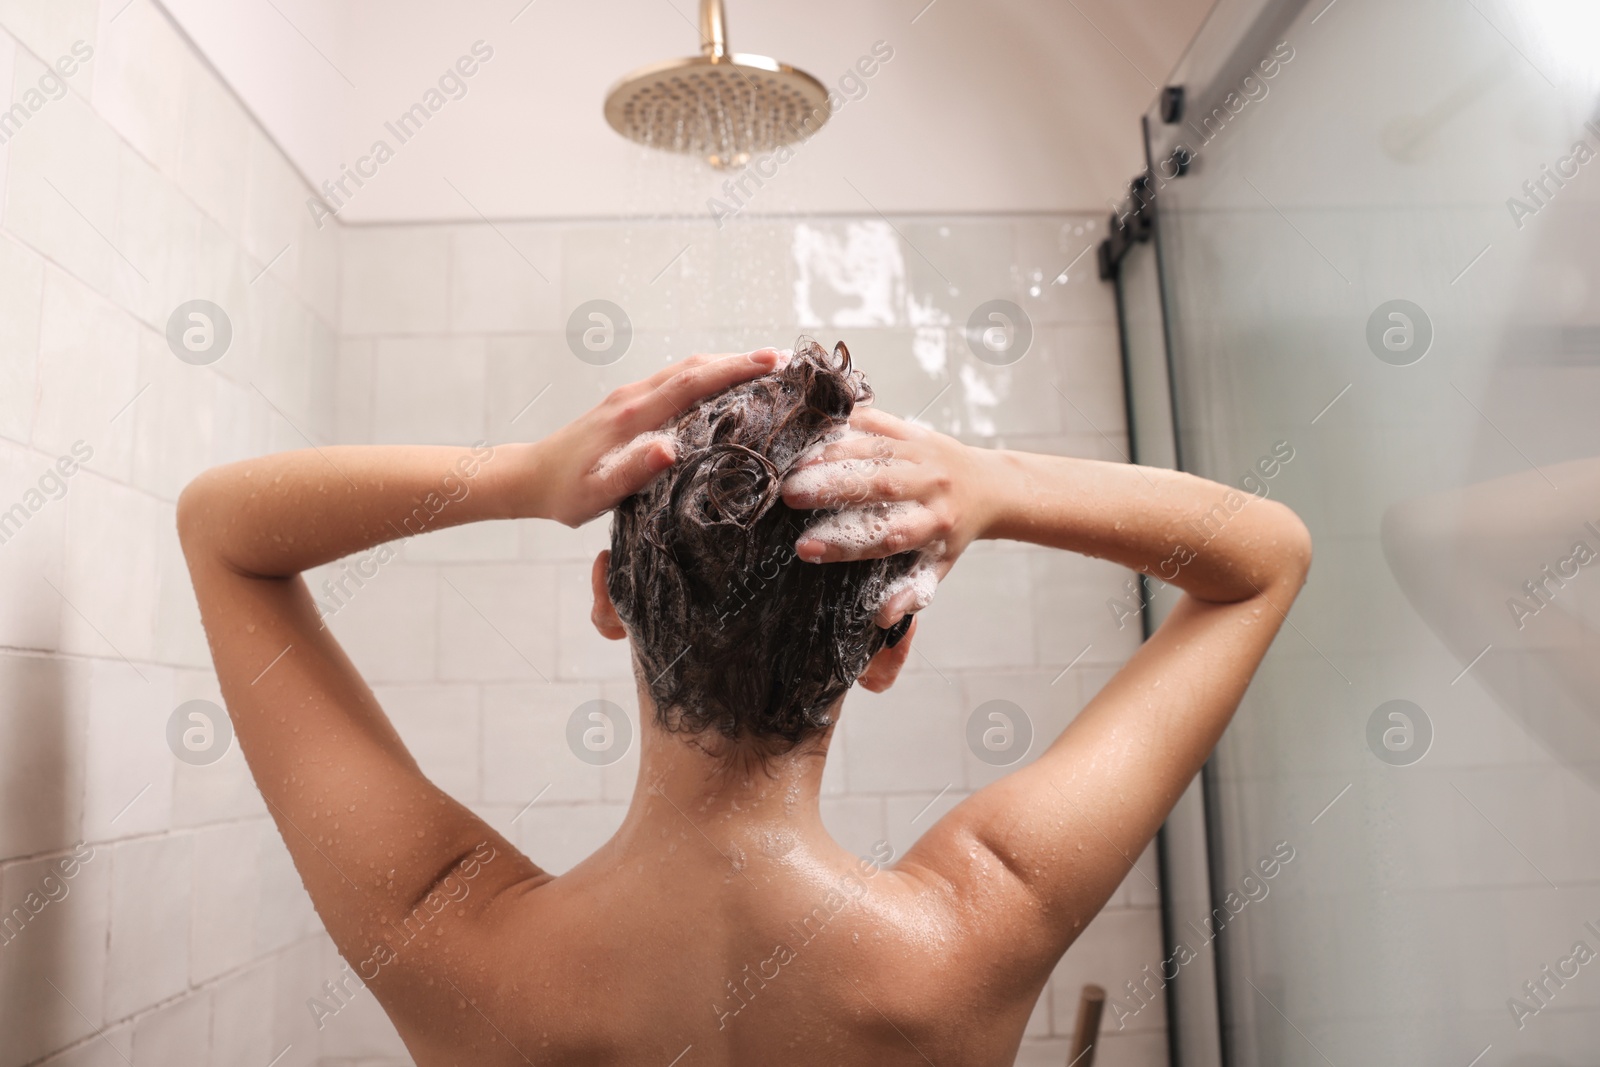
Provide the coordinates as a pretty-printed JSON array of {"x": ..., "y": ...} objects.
[{"x": 1189, "y": 845}]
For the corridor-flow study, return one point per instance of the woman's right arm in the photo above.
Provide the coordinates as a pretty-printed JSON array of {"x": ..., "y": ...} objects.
[
  {"x": 1217, "y": 544},
  {"x": 1052, "y": 841}
]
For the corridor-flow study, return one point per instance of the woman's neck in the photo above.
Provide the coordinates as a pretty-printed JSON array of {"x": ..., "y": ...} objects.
[{"x": 737, "y": 803}]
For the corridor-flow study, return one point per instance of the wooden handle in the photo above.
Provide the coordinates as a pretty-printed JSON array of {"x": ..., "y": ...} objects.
[{"x": 1091, "y": 1005}]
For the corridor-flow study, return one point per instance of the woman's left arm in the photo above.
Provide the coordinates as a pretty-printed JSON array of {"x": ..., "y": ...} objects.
[{"x": 371, "y": 836}]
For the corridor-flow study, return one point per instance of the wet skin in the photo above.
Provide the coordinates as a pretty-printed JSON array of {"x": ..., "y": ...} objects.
[{"x": 722, "y": 924}]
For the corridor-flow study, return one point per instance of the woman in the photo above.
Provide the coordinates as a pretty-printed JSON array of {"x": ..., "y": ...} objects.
[{"x": 768, "y": 547}]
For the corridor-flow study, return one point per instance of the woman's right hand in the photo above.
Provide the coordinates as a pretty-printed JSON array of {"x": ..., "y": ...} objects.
[
  {"x": 893, "y": 487},
  {"x": 611, "y": 452}
]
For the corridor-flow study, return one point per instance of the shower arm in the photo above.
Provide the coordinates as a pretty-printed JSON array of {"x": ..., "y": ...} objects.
[{"x": 713, "y": 29}]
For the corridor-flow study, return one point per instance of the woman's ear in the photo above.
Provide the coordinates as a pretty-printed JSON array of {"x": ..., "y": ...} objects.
[
  {"x": 884, "y": 667},
  {"x": 604, "y": 613}
]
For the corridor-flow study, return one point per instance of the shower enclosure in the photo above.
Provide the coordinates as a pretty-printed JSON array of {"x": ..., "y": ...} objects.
[{"x": 1361, "y": 277}]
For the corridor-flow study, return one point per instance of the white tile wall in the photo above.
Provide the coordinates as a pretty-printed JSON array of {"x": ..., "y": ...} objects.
[
  {"x": 128, "y": 776},
  {"x": 428, "y": 390},
  {"x": 497, "y": 283},
  {"x": 148, "y": 949},
  {"x": 8, "y": 59},
  {"x": 227, "y": 885},
  {"x": 524, "y": 745},
  {"x": 21, "y": 293},
  {"x": 64, "y": 943},
  {"x": 28, "y": 617},
  {"x": 179, "y": 1032},
  {"x": 144, "y": 186},
  {"x": 41, "y": 800},
  {"x": 241, "y": 1031},
  {"x": 61, "y": 182},
  {"x": 496, "y": 622},
  {"x": 110, "y": 579},
  {"x": 88, "y": 369},
  {"x": 395, "y": 281}
]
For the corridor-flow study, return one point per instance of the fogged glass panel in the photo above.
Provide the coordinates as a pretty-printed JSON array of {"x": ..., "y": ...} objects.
[{"x": 1383, "y": 287}]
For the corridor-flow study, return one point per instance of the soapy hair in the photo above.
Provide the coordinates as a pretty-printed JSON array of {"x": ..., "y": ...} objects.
[{"x": 735, "y": 637}]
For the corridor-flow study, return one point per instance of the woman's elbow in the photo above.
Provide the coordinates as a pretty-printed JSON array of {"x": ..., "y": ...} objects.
[
  {"x": 1291, "y": 542},
  {"x": 195, "y": 503}
]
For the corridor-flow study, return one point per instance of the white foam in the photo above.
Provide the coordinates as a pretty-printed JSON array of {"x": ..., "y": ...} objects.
[
  {"x": 922, "y": 579},
  {"x": 856, "y": 529},
  {"x": 619, "y": 455},
  {"x": 840, "y": 479},
  {"x": 842, "y": 432}
]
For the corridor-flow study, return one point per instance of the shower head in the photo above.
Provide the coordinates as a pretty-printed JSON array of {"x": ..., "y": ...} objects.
[{"x": 723, "y": 106}]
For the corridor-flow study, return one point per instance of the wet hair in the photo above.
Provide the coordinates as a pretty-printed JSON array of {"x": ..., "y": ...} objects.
[{"x": 736, "y": 637}]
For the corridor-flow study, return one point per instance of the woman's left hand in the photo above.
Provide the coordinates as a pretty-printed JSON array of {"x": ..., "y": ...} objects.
[
  {"x": 892, "y": 487},
  {"x": 609, "y": 452}
]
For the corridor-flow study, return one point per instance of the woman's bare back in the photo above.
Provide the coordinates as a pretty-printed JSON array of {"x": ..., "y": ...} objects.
[{"x": 669, "y": 953}]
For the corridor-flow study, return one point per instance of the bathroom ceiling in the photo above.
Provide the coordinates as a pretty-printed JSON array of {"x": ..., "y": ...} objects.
[{"x": 1010, "y": 105}]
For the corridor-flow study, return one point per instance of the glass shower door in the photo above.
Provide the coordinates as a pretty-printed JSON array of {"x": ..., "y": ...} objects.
[{"x": 1378, "y": 227}]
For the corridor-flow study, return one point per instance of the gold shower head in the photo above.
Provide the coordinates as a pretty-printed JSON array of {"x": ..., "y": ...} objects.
[{"x": 725, "y": 107}]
